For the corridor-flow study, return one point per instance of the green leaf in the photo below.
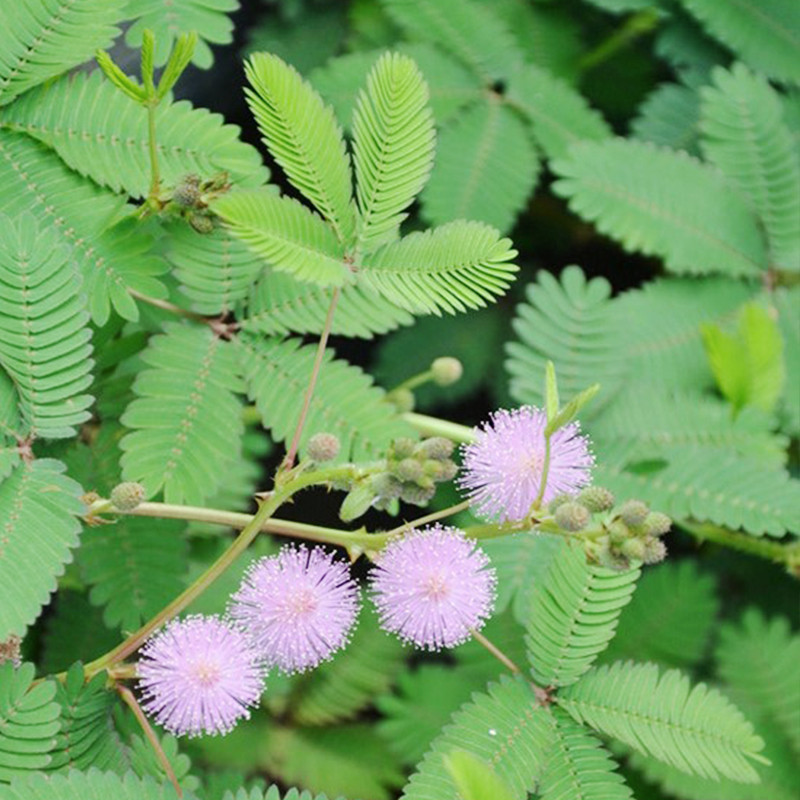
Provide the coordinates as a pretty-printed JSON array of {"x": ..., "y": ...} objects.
[
  {"x": 766, "y": 33},
  {"x": 345, "y": 402},
  {"x": 550, "y": 391},
  {"x": 744, "y": 134},
  {"x": 145, "y": 762},
  {"x": 758, "y": 660},
  {"x": 579, "y": 767},
  {"x": 696, "y": 730},
  {"x": 91, "y": 785},
  {"x": 206, "y": 17},
  {"x": 112, "y": 148},
  {"x": 787, "y": 301},
  {"x": 179, "y": 59},
  {"x": 186, "y": 419},
  {"x": 278, "y": 304},
  {"x": 636, "y": 193},
  {"x": 113, "y": 260},
  {"x": 670, "y": 618},
  {"x": 464, "y": 28},
  {"x": 44, "y": 338},
  {"x": 286, "y": 234},
  {"x": 454, "y": 267},
  {"x": 506, "y": 727},
  {"x": 572, "y": 616},
  {"x": 558, "y": 113},
  {"x": 43, "y": 38},
  {"x": 38, "y": 509},
  {"x": 304, "y": 138},
  {"x": 486, "y": 167},
  {"x": 393, "y": 144},
  {"x": 12, "y": 431},
  {"x": 29, "y": 722},
  {"x": 571, "y": 409},
  {"x": 273, "y": 793},
  {"x": 87, "y": 737},
  {"x": 669, "y": 116},
  {"x": 748, "y": 364},
  {"x": 474, "y": 779}
]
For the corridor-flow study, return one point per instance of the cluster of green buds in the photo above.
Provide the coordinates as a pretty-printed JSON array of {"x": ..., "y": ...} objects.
[
  {"x": 613, "y": 536},
  {"x": 409, "y": 473},
  {"x": 191, "y": 196}
]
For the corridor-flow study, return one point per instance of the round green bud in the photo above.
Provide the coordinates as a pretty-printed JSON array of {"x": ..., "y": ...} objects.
[
  {"x": 437, "y": 447},
  {"x": 655, "y": 550},
  {"x": 446, "y": 371},
  {"x": 402, "y": 399},
  {"x": 657, "y": 524},
  {"x": 633, "y": 512},
  {"x": 572, "y": 516},
  {"x": 403, "y": 447},
  {"x": 559, "y": 501},
  {"x": 201, "y": 223},
  {"x": 609, "y": 557},
  {"x": 386, "y": 486},
  {"x": 409, "y": 469},
  {"x": 127, "y": 496},
  {"x": 187, "y": 192},
  {"x": 596, "y": 499},
  {"x": 440, "y": 470},
  {"x": 633, "y": 548},
  {"x": 323, "y": 447},
  {"x": 417, "y": 495},
  {"x": 618, "y": 533}
]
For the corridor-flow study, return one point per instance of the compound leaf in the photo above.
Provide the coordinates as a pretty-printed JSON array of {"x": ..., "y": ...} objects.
[{"x": 91, "y": 785}]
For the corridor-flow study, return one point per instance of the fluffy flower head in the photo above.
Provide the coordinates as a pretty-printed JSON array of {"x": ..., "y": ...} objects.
[
  {"x": 432, "y": 587},
  {"x": 503, "y": 468},
  {"x": 298, "y": 607},
  {"x": 199, "y": 676}
]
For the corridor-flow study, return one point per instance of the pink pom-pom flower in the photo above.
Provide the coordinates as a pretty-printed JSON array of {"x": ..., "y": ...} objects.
[
  {"x": 503, "y": 468},
  {"x": 298, "y": 607},
  {"x": 199, "y": 676},
  {"x": 433, "y": 587}
]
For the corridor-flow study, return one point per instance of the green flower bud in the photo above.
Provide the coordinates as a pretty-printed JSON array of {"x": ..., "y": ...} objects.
[
  {"x": 187, "y": 192},
  {"x": 559, "y": 501},
  {"x": 402, "y": 399},
  {"x": 403, "y": 447},
  {"x": 201, "y": 223},
  {"x": 357, "y": 502},
  {"x": 657, "y": 524},
  {"x": 607, "y": 556},
  {"x": 633, "y": 512},
  {"x": 654, "y": 550},
  {"x": 572, "y": 516},
  {"x": 437, "y": 447},
  {"x": 440, "y": 470},
  {"x": 417, "y": 495},
  {"x": 446, "y": 371},
  {"x": 633, "y": 548},
  {"x": 386, "y": 486},
  {"x": 409, "y": 469},
  {"x": 323, "y": 447},
  {"x": 127, "y": 496},
  {"x": 596, "y": 498},
  {"x": 618, "y": 533}
]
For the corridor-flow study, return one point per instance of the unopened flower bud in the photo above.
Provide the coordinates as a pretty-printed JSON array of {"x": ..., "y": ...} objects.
[
  {"x": 127, "y": 496},
  {"x": 437, "y": 447},
  {"x": 608, "y": 557},
  {"x": 403, "y": 447},
  {"x": 323, "y": 447},
  {"x": 409, "y": 469},
  {"x": 440, "y": 470},
  {"x": 201, "y": 223},
  {"x": 386, "y": 486},
  {"x": 572, "y": 516},
  {"x": 446, "y": 370},
  {"x": 187, "y": 192},
  {"x": 618, "y": 533},
  {"x": 633, "y": 548},
  {"x": 596, "y": 498},
  {"x": 559, "y": 501},
  {"x": 417, "y": 495},
  {"x": 633, "y": 512},
  {"x": 356, "y": 502},
  {"x": 402, "y": 399},
  {"x": 654, "y": 550},
  {"x": 657, "y": 524}
]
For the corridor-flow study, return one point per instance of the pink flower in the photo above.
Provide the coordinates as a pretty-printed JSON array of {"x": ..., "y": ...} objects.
[
  {"x": 432, "y": 587},
  {"x": 298, "y": 607},
  {"x": 503, "y": 467},
  {"x": 199, "y": 675}
]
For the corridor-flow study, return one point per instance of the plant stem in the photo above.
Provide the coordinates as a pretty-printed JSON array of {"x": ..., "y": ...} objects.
[
  {"x": 545, "y": 472},
  {"x": 414, "y": 381},
  {"x": 495, "y": 651},
  {"x": 432, "y": 517},
  {"x": 155, "y": 180},
  {"x": 130, "y": 701},
  {"x": 288, "y": 462},
  {"x": 433, "y": 426},
  {"x": 165, "y": 305},
  {"x": 634, "y": 26}
]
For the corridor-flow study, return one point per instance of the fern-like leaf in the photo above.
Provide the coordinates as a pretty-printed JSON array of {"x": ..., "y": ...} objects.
[
  {"x": 486, "y": 167},
  {"x": 787, "y": 301},
  {"x": 454, "y": 267},
  {"x": 745, "y": 136},
  {"x": 43, "y": 38},
  {"x": 558, "y": 113},
  {"x": 38, "y": 528},
  {"x": 466, "y": 29},
  {"x": 44, "y": 338},
  {"x": 273, "y": 793},
  {"x": 669, "y": 116},
  {"x": 113, "y": 260},
  {"x": 29, "y": 722},
  {"x": 579, "y": 767},
  {"x": 573, "y": 615},
  {"x": 344, "y": 402},
  {"x": 278, "y": 304},
  {"x": 112, "y": 148},
  {"x": 167, "y": 21},
  {"x": 758, "y": 660},
  {"x": 287, "y": 235},
  {"x": 506, "y": 727},
  {"x": 696, "y": 730},
  {"x": 765, "y": 33},
  {"x": 636, "y": 193},
  {"x": 304, "y": 137},
  {"x": 186, "y": 419},
  {"x": 393, "y": 144},
  {"x": 91, "y": 785}
]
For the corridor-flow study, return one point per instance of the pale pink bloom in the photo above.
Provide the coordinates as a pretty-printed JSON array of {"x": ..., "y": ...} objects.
[
  {"x": 503, "y": 468},
  {"x": 199, "y": 676},
  {"x": 432, "y": 587},
  {"x": 298, "y": 607}
]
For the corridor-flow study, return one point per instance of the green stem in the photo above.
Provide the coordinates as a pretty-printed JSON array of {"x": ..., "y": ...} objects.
[
  {"x": 635, "y": 26},
  {"x": 495, "y": 651},
  {"x": 432, "y": 517},
  {"x": 433, "y": 426},
  {"x": 155, "y": 180},
  {"x": 545, "y": 472},
  {"x": 414, "y": 381}
]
